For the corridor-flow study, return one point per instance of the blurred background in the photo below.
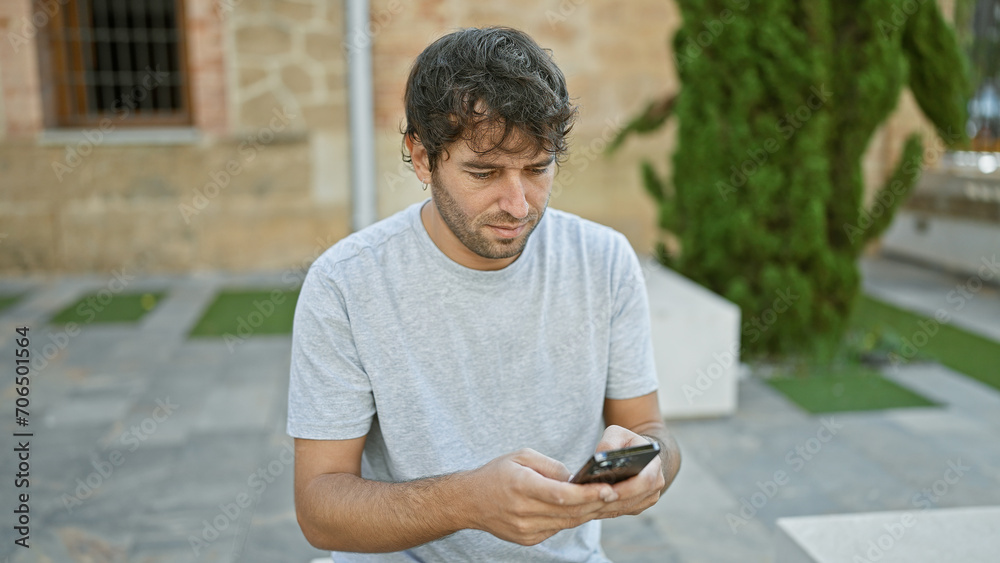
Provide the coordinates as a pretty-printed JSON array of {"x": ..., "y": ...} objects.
[
  {"x": 821, "y": 181},
  {"x": 103, "y": 160},
  {"x": 232, "y": 65}
]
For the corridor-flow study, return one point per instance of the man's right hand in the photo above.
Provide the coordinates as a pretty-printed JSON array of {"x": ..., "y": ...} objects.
[{"x": 525, "y": 497}]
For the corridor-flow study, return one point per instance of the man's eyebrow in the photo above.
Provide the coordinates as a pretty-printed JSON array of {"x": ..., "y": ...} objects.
[
  {"x": 478, "y": 164},
  {"x": 544, "y": 162}
]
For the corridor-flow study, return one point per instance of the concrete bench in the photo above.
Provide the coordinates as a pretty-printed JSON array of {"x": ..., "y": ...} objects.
[
  {"x": 696, "y": 345},
  {"x": 968, "y": 535}
]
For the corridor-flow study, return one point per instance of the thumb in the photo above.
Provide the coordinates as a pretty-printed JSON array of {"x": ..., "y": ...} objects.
[
  {"x": 542, "y": 464},
  {"x": 616, "y": 437}
]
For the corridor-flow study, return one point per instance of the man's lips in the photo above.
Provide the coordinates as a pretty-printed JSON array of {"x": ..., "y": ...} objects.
[{"x": 508, "y": 231}]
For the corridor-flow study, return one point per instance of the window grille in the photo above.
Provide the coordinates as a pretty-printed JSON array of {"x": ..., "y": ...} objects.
[{"x": 119, "y": 59}]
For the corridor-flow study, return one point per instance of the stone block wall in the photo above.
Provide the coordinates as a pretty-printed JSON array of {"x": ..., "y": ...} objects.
[
  {"x": 265, "y": 183},
  {"x": 288, "y": 53},
  {"x": 615, "y": 57},
  {"x": 238, "y": 195}
]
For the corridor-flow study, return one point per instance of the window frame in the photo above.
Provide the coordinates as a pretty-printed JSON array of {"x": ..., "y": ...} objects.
[{"x": 56, "y": 46}]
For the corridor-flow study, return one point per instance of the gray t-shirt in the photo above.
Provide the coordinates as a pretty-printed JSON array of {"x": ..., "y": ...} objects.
[{"x": 445, "y": 367}]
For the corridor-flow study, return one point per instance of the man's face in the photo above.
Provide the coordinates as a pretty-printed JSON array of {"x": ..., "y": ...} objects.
[{"x": 492, "y": 202}]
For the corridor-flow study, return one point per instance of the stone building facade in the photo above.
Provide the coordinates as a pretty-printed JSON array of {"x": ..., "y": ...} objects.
[{"x": 259, "y": 179}]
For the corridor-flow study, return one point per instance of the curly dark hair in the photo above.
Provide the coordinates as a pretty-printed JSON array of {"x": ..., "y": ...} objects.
[{"x": 482, "y": 85}]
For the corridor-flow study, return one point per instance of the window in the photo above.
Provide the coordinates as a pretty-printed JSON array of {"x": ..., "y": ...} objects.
[
  {"x": 121, "y": 59},
  {"x": 980, "y": 35}
]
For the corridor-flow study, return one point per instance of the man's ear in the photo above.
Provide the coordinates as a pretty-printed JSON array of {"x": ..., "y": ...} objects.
[{"x": 420, "y": 159}]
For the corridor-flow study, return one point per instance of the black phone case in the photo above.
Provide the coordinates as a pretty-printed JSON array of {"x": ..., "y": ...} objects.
[{"x": 616, "y": 465}]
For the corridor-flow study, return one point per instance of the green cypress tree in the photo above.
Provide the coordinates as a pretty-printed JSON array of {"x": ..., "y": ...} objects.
[{"x": 779, "y": 101}]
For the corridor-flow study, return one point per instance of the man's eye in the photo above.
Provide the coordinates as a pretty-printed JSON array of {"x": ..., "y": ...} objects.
[
  {"x": 539, "y": 171},
  {"x": 481, "y": 175}
]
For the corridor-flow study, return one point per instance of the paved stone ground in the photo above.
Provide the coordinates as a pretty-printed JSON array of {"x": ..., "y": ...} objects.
[
  {"x": 972, "y": 304},
  {"x": 876, "y": 461},
  {"x": 218, "y": 439},
  {"x": 222, "y": 442}
]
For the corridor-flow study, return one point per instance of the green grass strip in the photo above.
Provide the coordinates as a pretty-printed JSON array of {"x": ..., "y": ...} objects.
[
  {"x": 244, "y": 313},
  {"x": 106, "y": 307},
  {"x": 962, "y": 351},
  {"x": 859, "y": 390},
  {"x": 8, "y": 300}
]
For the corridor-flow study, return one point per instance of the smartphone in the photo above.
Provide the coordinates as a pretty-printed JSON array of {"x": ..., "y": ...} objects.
[{"x": 616, "y": 465}]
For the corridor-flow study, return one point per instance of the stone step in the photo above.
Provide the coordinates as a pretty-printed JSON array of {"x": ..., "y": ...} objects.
[{"x": 969, "y": 535}]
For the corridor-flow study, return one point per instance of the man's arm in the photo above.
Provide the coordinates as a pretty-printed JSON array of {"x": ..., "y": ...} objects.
[
  {"x": 338, "y": 510},
  {"x": 521, "y": 497}
]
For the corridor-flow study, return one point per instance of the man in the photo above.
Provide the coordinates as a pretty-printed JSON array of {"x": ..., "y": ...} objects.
[{"x": 451, "y": 363}]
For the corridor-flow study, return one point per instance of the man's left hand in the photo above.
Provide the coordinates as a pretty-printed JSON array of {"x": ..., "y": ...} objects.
[{"x": 638, "y": 493}]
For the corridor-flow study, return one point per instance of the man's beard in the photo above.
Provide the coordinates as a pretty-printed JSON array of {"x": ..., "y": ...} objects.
[{"x": 475, "y": 234}]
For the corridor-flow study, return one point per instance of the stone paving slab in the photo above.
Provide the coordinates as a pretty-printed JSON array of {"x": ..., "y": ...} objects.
[
  {"x": 688, "y": 524},
  {"x": 968, "y": 535},
  {"x": 99, "y": 395},
  {"x": 972, "y": 302}
]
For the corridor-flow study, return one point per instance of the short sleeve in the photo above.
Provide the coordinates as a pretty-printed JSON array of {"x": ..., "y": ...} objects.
[
  {"x": 329, "y": 393},
  {"x": 631, "y": 369}
]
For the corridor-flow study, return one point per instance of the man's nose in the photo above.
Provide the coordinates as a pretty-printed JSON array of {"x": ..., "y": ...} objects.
[{"x": 512, "y": 198}]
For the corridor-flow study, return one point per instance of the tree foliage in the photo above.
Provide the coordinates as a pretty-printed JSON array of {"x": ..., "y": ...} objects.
[{"x": 779, "y": 101}]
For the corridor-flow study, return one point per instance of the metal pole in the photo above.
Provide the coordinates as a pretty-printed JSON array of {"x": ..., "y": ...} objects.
[{"x": 362, "y": 114}]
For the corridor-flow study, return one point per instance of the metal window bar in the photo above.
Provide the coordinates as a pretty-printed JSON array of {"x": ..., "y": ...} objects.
[
  {"x": 984, "y": 54},
  {"x": 119, "y": 59}
]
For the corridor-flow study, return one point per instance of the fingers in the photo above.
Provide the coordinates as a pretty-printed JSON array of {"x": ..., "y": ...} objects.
[
  {"x": 638, "y": 493},
  {"x": 543, "y": 464},
  {"x": 555, "y": 488},
  {"x": 641, "y": 491},
  {"x": 565, "y": 494},
  {"x": 531, "y": 499},
  {"x": 651, "y": 476},
  {"x": 617, "y": 437},
  {"x": 544, "y": 479},
  {"x": 632, "y": 506}
]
